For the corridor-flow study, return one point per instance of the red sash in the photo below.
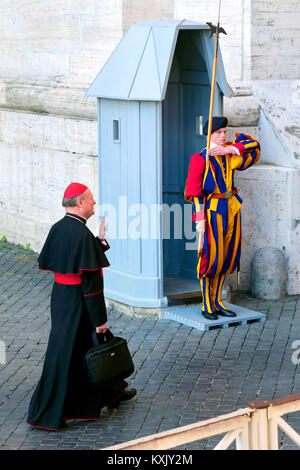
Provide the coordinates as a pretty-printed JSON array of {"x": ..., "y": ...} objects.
[{"x": 69, "y": 279}]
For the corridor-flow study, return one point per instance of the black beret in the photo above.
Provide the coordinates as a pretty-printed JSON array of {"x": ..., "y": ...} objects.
[{"x": 217, "y": 123}]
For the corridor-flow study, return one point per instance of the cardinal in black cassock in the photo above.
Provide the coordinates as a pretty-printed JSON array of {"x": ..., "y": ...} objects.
[{"x": 76, "y": 257}]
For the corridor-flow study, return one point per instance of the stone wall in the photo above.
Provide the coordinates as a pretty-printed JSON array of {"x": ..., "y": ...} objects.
[
  {"x": 134, "y": 11},
  {"x": 262, "y": 41},
  {"x": 50, "y": 53},
  {"x": 61, "y": 41},
  {"x": 52, "y": 50},
  {"x": 275, "y": 39},
  {"x": 40, "y": 155},
  {"x": 270, "y": 218}
]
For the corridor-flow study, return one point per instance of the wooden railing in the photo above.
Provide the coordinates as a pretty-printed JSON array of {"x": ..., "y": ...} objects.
[{"x": 252, "y": 428}]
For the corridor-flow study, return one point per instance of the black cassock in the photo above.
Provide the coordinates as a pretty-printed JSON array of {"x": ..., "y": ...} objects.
[{"x": 77, "y": 306}]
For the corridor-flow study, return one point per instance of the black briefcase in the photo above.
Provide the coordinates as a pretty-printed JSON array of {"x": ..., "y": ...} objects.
[{"x": 109, "y": 358}]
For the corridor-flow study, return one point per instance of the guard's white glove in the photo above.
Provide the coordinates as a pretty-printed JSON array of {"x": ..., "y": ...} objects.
[
  {"x": 200, "y": 226},
  {"x": 221, "y": 150}
]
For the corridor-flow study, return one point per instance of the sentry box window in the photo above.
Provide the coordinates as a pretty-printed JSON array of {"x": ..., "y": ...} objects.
[
  {"x": 116, "y": 130},
  {"x": 199, "y": 125}
]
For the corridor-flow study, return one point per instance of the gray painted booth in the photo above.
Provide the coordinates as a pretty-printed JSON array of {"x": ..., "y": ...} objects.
[{"x": 153, "y": 98}]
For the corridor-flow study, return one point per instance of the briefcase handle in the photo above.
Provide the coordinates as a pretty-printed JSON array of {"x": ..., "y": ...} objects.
[{"x": 102, "y": 338}]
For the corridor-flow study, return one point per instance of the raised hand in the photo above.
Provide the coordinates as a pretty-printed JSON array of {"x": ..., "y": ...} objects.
[
  {"x": 102, "y": 229},
  {"x": 220, "y": 150}
]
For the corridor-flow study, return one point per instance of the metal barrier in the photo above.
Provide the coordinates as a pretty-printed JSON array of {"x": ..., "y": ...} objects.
[{"x": 252, "y": 428}]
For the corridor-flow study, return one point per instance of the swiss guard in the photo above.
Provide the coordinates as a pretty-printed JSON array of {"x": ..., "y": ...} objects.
[{"x": 216, "y": 210}]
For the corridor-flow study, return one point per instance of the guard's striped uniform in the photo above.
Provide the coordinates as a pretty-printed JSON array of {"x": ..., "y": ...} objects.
[{"x": 209, "y": 188}]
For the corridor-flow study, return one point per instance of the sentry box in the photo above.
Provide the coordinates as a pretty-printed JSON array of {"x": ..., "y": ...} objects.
[{"x": 153, "y": 98}]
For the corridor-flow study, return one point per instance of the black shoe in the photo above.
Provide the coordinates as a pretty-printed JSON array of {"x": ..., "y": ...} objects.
[
  {"x": 63, "y": 425},
  {"x": 210, "y": 316},
  {"x": 127, "y": 395},
  {"x": 226, "y": 313}
]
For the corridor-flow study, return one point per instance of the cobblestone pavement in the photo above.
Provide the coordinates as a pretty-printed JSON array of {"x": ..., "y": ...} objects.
[{"x": 182, "y": 375}]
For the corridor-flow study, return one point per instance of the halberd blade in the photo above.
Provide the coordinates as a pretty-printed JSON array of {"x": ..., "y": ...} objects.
[{"x": 213, "y": 29}]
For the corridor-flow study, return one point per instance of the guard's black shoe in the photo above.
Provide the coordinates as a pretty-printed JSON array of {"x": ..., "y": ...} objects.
[
  {"x": 210, "y": 316},
  {"x": 226, "y": 313}
]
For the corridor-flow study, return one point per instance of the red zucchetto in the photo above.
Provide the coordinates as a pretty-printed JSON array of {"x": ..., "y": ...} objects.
[{"x": 74, "y": 190}]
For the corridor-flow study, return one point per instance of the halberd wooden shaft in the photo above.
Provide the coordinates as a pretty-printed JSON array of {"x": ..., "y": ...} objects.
[
  {"x": 211, "y": 108},
  {"x": 212, "y": 98},
  {"x": 214, "y": 30},
  {"x": 200, "y": 243}
]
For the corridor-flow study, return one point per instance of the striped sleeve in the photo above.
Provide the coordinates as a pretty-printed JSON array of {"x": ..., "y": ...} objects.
[
  {"x": 198, "y": 209},
  {"x": 249, "y": 152},
  {"x": 193, "y": 187}
]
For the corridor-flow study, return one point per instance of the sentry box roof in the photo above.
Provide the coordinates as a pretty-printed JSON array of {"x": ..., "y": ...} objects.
[{"x": 139, "y": 67}]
